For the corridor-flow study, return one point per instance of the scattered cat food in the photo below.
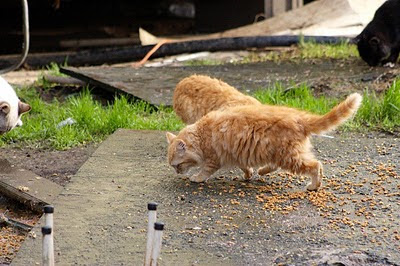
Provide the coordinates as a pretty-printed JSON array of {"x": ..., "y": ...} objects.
[{"x": 23, "y": 188}]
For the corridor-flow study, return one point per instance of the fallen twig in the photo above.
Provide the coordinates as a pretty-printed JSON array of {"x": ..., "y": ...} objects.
[{"x": 64, "y": 80}]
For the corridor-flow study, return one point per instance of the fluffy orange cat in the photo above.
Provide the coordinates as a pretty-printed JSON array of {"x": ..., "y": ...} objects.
[
  {"x": 197, "y": 95},
  {"x": 269, "y": 137}
]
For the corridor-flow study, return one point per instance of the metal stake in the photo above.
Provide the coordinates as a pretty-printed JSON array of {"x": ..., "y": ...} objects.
[
  {"x": 47, "y": 247},
  {"x": 152, "y": 208},
  {"x": 48, "y": 221},
  {"x": 159, "y": 227}
]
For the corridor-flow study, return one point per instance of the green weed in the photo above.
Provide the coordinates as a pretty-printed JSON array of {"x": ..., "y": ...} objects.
[
  {"x": 93, "y": 122},
  {"x": 203, "y": 62},
  {"x": 381, "y": 111},
  {"x": 311, "y": 50},
  {"x": 377, "y": 112},
  {"x": 305, "y": 50}
]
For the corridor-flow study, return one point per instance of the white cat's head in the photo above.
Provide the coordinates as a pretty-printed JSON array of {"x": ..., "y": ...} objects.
[
  {"x": 180, "y": 155},
  {"x": 11, "y": 108}
]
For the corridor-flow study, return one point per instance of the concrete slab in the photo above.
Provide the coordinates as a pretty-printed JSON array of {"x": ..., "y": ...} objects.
[
  {"x": 26, "y": 186},
  {"x": 100, "y": 217},
  {"x": 156, "y": 84}
]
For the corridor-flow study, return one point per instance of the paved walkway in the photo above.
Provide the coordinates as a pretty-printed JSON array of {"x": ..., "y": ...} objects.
[{"x": 100, "y": 217}]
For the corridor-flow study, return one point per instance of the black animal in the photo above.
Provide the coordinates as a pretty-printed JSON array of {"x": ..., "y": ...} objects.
[{"x": 379, "y": 42}]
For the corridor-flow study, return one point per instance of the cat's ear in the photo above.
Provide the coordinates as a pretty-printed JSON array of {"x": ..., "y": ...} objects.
[
  {"x": 23, "y": 108},
  {"x": 181, "y": 146},
  {"x": 4, "y": 107},
  {"x": 170, "y": 137},
  {"x": 374, "y": 41}
]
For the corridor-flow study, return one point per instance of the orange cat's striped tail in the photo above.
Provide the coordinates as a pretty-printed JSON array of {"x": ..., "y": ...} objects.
[{"x": 339, "y": 114}]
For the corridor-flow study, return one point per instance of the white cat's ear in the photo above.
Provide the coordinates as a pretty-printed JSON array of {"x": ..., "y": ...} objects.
[
  {"x": 181, "y": 146},
  {"x": 23, "y": 108},
  {"x": 170, "y": 137},
  {"x": 5, "y": 107}
]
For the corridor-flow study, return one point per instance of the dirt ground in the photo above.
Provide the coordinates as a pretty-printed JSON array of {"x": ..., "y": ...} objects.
[{"x": 57, "y": 166}]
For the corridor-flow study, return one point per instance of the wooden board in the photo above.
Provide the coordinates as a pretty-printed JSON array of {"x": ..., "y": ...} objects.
[
  {"x": 27, "y": 187},
  {"x": 156, "y": 84}
]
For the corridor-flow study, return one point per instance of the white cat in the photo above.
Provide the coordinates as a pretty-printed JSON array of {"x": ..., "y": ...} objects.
[{"x": 11, "y": 108}]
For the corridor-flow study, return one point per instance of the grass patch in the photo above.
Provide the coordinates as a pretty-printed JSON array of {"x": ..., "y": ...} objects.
[
  {"x": 311, "y": 50},
  {"x": 306, "y": 50},
  {"x": 203, "y": 62},
  {"x": 377, "y": 112},
  {"x": 300, "y": 97},
  {"x": 381, "y": 111},
  {"x": 94, "y": 122}
]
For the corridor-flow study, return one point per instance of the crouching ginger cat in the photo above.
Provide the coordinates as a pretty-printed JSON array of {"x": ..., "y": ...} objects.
[
  {"x": 197, "y": 95},
  {"x": 11, "y": 108},
  {"x": 249, "y": 136}
]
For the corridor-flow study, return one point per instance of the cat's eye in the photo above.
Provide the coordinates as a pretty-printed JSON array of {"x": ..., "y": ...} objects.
[{"x": 178, "y": 167}]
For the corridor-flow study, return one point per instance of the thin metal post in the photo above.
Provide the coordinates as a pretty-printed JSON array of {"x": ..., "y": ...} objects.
[
  {"x": 159, "y": 227},
  {"x": 47, "y": 248},
  {"x": 48, "y": 220},
  {"x": 152, "y": 209}
]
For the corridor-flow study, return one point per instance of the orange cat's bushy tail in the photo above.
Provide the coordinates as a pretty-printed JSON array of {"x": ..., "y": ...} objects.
[{"x": 339, "y": 114}]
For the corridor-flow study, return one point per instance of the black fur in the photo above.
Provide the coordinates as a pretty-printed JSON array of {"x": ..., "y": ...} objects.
[{"x": 379, "y": 42}]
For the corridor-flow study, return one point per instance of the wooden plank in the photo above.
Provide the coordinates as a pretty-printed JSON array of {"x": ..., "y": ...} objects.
[
  {"x": 27, "y": 187},
  {"x": 156, "y": 84}
]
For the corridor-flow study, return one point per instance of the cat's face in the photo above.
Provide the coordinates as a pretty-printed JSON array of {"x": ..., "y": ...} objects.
[
  {"x": 372, "y": 49},
  {"x": 180, "y": 157},
  {"x": 11, "y": 108}
]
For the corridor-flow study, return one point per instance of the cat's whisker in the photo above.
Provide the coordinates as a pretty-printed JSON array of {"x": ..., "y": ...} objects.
[{"x": 324, "y": 136}]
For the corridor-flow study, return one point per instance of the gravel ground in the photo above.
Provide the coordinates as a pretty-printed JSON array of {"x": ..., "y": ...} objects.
[{"x": 354, "y": 219}]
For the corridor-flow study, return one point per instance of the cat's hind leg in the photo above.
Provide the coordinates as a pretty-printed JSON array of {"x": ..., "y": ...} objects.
[
  {"x": 305, "y": 164},
  {"x": 206, "y": 171},
  {"x": 313, "y": 169},
  {"x": 248, "y": 173},
  {"x": 266, "y": 170}
]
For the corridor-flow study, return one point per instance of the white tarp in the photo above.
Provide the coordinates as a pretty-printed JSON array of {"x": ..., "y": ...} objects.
[{"x": 322, "y": 17}]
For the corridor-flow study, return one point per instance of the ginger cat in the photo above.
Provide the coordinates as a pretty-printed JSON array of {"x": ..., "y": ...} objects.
[
  {"x": 249, "y": 136},
  {"x": 197, "y": 95}
]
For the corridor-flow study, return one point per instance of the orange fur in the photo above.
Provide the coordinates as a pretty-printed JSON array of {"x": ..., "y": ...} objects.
[
  {"x": 197, "y": 95},
  {"x": 269, "y": 137}
]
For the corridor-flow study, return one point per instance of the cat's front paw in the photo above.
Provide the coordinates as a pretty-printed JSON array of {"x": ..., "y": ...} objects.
[
  {"x": 197, "y": 179},
  {"x": 313, "y": 187},
  {"x": 389, "y": 64}
]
